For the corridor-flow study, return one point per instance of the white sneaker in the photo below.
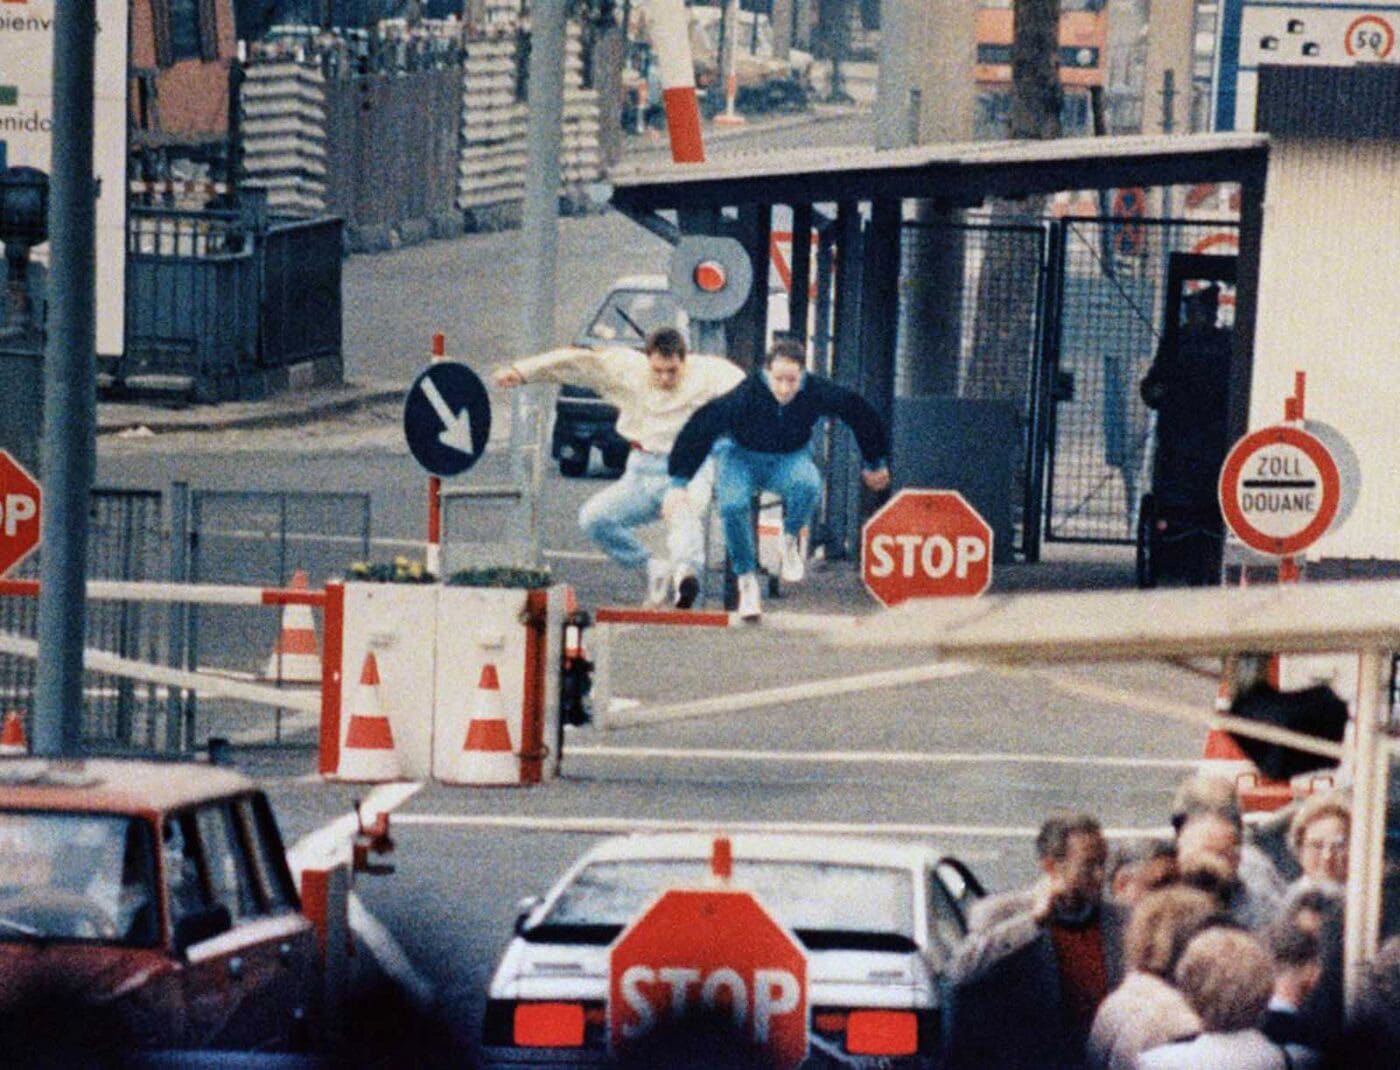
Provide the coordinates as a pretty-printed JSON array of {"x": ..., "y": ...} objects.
[
  {"x": 794, "y": 565},
  {"x": 750, "y": 604},
  {"x": 658, "y": 583}
]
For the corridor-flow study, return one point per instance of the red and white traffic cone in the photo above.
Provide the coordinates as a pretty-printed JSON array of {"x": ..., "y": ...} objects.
[
  {"x": 12, "y": 738},
  {"x": 368, "y": 755},
  {"x": 295, "y": 657},
  {"x": 730, "y": 117},
  {"x": 487, "y": 755}
]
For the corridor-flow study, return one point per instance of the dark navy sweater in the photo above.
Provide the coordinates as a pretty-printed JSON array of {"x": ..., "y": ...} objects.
[{"x": 752, "y": 417}]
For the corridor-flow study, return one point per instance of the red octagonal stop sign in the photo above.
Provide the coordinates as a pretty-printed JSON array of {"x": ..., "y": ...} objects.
[
  {"x": 698, "y": 952},
  {"x": 926, "y": 544},
  {"x": 20, "y": 506}
]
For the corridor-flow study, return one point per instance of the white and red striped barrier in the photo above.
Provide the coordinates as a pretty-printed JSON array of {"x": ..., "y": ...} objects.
[{"x": 670, "y": 41}]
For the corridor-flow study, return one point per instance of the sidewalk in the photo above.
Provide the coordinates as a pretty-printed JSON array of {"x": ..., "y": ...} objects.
[{"x": 281, "y": 410}]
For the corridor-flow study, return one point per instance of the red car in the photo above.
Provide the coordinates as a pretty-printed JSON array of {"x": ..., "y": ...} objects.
[{"x": 148, "y": 905}]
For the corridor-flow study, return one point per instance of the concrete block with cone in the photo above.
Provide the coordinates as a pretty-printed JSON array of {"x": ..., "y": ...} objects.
[
  {"x": 488, "y": 756},
  {"x": 12, "y": 738},
  {"x": 368, "y": 754},
  {"x": 295, "y": 657}
]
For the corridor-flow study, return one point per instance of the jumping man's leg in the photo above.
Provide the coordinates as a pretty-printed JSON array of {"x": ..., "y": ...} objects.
[
  {"x": 734, "y": 487},
  {"x": 796, "y": 480},
  {"x": 610, "y": 515}
]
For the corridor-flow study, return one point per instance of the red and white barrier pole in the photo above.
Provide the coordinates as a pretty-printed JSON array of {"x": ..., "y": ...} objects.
[
  {"x": 730, "y": 51},
  {"x": 670, "y": 40},
  {"x": 433, "y": 554}
]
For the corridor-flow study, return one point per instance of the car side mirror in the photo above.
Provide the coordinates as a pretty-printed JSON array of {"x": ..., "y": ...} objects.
[
  {"x": 523, "y": 910},
  {"x": 200, "y": 925}
]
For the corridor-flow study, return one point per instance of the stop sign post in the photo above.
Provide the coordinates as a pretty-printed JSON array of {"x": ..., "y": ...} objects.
[
  {"x": 697, "y": 952},
  {"x": 926, "y": 544},
  {"x": 20, "y": 509}
]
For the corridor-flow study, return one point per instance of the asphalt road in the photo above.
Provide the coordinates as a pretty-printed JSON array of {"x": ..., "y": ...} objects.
[{"x": 970, "y": 760}]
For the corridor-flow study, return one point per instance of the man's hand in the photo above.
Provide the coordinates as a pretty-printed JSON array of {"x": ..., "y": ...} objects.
[
  {"x": 677, "y": 500},
  {"x": 877, "y": 479},
  {"x": 507, "y": 377}
]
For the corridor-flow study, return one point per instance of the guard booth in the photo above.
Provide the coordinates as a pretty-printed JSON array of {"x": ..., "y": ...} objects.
[{"x": 1006, "y": 351}]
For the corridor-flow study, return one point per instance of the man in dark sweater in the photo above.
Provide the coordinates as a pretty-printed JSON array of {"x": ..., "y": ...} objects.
[{"x": 761, "y": 432}]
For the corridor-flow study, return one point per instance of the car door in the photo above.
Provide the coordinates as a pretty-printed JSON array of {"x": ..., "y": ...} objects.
[{"x": 244, "y": 953}]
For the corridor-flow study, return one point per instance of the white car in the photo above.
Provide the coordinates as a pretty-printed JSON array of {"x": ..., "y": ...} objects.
[{"x": 879, "y": 921}]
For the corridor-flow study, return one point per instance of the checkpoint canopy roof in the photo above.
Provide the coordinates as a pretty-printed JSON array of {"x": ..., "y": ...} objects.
[
  {"x": 1123, "y": 625},
  {"x": 962, "y": 173}
]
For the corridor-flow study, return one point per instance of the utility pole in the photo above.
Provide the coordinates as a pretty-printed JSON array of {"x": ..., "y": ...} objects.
[
  {"x": 540, "y": 231},
  {"x": 70, "y": 385},
  {"x": 925, "y": 95}
]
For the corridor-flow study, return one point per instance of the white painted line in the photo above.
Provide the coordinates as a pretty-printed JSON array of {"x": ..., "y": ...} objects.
[
  {"x": 390, "y": 955},
  {"x": 777, "y": 696},
  {"x": 575, "y": 555},
  {"x": 606, "y": 826},
  {"x": 833, "y": 757}
]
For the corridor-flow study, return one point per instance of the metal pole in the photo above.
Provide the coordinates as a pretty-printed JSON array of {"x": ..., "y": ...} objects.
[
  {"x": 540, "y": 230},
  {"x": 1370, "y": 768},
  {"x": 70, "y": 384}
]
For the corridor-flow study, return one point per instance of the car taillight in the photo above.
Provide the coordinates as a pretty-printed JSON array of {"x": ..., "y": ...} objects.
[
  {"x": 882, "y": 1033},
  {"x": 548, "y": 1025},
  {"x": 878, "y": 1032},
  {"x": 544, "y": 1024}
]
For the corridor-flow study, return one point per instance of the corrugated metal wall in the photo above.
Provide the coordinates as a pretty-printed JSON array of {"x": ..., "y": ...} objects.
[{"x": 1328, "y": 299}]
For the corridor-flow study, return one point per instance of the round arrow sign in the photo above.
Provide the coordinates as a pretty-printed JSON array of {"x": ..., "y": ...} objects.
[{"x": 447, "y": 418}]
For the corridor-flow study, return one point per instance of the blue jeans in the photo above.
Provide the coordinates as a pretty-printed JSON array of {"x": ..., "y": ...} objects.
[
  {"x": 742, "y": 473},
  {"x": 609, "y": 517}
]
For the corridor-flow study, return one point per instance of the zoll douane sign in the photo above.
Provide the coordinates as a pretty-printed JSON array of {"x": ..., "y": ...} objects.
[
  {"x": 926, "y": 544},
  {"x": 708, "y": 958},
  {"x": 1279, "y": 490},
  {"x": 20, "y": 502}
]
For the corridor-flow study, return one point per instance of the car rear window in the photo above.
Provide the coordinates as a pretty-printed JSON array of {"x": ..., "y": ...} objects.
[
  {"x": 827, "y": 905},
  {"x": 74, "y": 876},
  {"x": 628, "y": 316}
]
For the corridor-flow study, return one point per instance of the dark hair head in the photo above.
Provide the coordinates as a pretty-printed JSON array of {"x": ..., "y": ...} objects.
[
  {"x": 1052, "y": 842},
  {"x": 787, "y": 349},
  {"x": 666, "y": 341},
  {"x": 1137, "y": 852},
  {"x": 1292, "y": 945}
]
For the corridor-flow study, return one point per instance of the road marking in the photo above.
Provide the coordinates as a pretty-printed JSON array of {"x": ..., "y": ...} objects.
[
  {"x": 778, "y": 696},
  {"x": 607, "y": 826},
  {"x": 833, "y": 757}
]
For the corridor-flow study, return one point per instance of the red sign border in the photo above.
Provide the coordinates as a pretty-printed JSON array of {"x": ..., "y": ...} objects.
[
  {"x": 39, "y": 519},
  {"x": 991, "y": 538},
  {"x": 1370, "y": 16},
  {"x": 1233, "y": 469}
]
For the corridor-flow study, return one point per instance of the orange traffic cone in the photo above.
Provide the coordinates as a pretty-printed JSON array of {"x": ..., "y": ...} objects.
[
  {"x": 487, "y": 755},
  {"x": 295, "y": 658},
  {"x": 12, "y": 738},
  {"x": 369, "y": 755}
]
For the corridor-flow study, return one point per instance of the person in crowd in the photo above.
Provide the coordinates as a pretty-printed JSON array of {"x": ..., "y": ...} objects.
[
  {"x": 1227, "y": 976},
  {"x": 1036, "y": 963},
  {"x": 1207, "y": 820},
  {"x": 1371, "y": 1040},
  {"x": 1298, "y": 969},
  {"x": 1318, "y": 911},
  {"x": 655, "y": 392},
  {"x": 1208, "y": 835},
  {"x": 1320, "y": 837},
  {"x": 1138, "y": 867},
  {"x": 1147, "y": 1009},
  {"x": 761, "y": 433}
]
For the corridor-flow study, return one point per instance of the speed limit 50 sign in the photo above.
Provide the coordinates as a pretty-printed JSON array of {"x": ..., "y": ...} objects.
[{"x": 1279, "y": 490}]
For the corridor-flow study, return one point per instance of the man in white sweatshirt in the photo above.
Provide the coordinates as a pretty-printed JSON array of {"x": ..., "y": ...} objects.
[{"x": 655, "y": 393}]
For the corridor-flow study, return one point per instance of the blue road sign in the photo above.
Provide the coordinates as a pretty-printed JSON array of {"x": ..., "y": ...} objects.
[{"x": 447, "y": 418}]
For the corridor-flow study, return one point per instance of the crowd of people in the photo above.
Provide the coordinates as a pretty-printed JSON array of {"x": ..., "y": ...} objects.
[{"x": 1200, "y": 952}]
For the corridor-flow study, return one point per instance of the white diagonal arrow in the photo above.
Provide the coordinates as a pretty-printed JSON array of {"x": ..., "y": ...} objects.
[{"x": 456, "y": 430}]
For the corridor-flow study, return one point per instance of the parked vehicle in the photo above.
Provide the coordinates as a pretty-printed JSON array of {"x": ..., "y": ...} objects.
[
  {"x": 763, "y": 81},
  {"x": 149, "y": 906},
  {"x": 879, "y": 922}
]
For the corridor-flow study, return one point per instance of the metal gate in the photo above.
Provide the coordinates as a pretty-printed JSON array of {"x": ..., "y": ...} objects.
[
  {"x": 125, "y": 542},
  {"x": 1110, "y": 282}
]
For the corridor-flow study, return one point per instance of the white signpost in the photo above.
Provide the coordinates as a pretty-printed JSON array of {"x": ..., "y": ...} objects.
[{"x": 26, "y": 132}]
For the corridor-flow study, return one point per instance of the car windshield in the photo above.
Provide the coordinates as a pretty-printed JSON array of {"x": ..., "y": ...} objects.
[
  {"x": 628, "y": 316},
  {"x": 827, "y": 905},
  {"x": 72, "y": 876}
]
